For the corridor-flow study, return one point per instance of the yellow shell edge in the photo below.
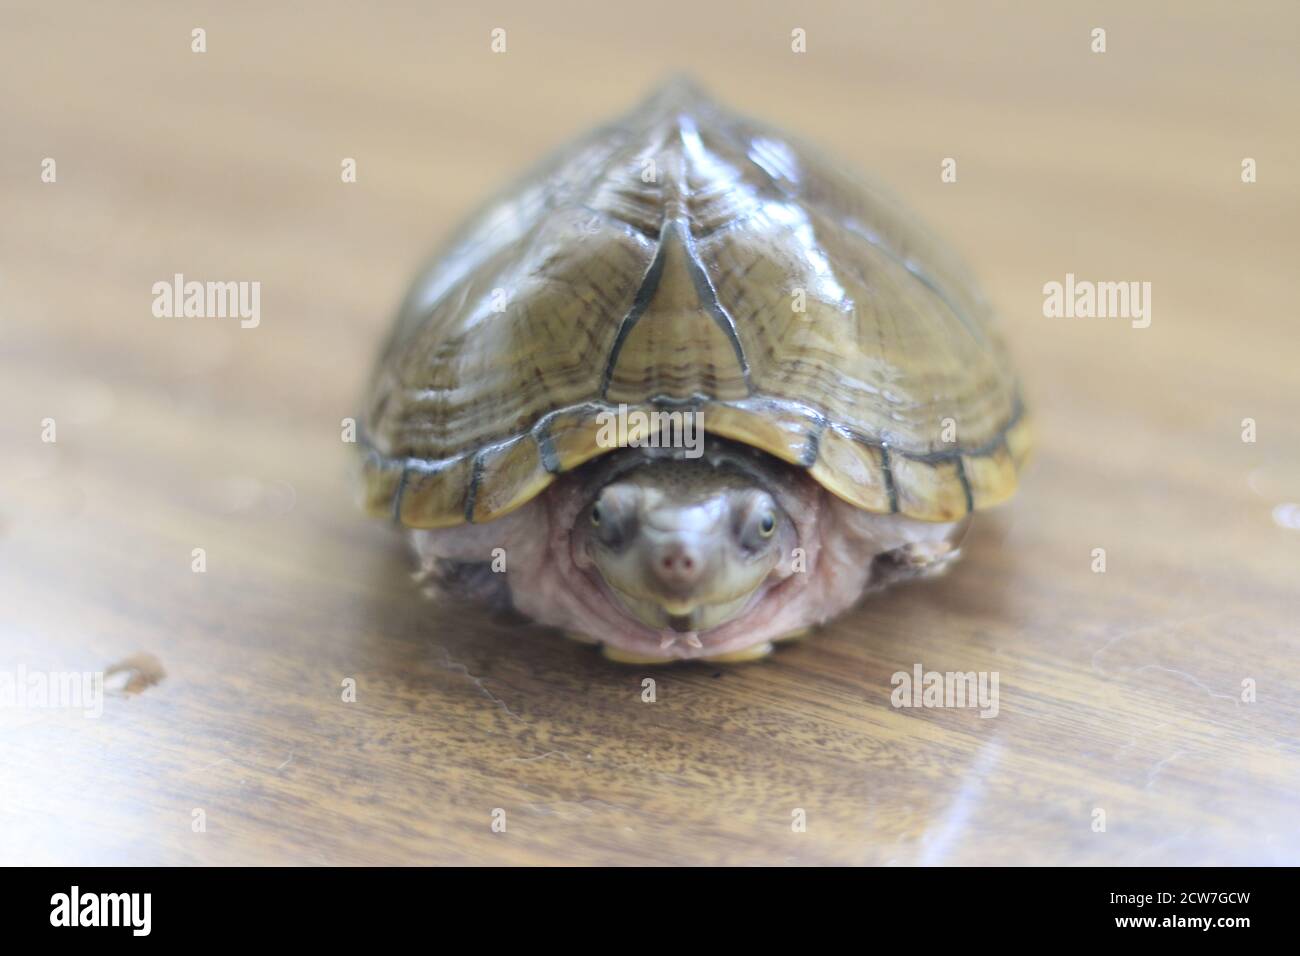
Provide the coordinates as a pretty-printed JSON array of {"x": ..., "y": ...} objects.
[{"x": 489, "y": 484}]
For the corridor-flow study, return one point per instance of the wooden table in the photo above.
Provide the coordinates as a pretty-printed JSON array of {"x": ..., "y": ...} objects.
[{"x": 1125, "y": 696}]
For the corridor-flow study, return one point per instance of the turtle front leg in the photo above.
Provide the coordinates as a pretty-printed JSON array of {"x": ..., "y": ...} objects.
[
  {"x": 444, "y": 579},
  {"x": 898, "y": 548},
  {"x": 469, "y": 562},
  {"x": 916, "y": 560}
]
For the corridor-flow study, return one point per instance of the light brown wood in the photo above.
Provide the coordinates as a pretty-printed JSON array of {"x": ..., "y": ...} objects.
[{"x": 1119, "y": 691}]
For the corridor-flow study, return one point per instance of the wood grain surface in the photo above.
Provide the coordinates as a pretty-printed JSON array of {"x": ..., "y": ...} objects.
[{"x": 1126, "y": 693}]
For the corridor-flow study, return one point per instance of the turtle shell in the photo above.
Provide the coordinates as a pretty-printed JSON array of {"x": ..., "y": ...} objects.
[{"x": 687, "y": 258}]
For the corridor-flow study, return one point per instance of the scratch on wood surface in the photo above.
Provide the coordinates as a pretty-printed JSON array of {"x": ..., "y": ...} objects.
[
  {"x": 1158, "y": 627},
  {"x": 1133, "y": 740},
  {"x": 1160, "y": 765},
  {"x": 478, "y": 682},
  {"x": 584, "y": 807},
  {"x": 1188, "y": 677},
  {"x": 549, "y": 753}
]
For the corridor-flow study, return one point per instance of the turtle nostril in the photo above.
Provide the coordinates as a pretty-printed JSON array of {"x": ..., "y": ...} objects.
[{"x": 678, "y": 565}]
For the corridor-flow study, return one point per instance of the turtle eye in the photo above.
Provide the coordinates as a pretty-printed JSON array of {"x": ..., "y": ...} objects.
[
  {"x": 612, "y": 517},
  {"x": 756, "y": 524}
]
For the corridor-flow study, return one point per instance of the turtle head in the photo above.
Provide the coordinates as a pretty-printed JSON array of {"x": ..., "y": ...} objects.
[{"x": 682, "y": 544}]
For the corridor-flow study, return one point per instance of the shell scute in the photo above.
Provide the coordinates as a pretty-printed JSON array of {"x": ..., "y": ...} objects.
[
  {"x": 686, "y": 257},
  {"x": 434, "y": 495}
]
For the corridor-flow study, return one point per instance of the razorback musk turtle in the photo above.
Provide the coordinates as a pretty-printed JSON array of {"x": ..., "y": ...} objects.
[{"x": 689, "y": 389}]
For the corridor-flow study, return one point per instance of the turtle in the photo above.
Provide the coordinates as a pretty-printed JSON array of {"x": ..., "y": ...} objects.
[{"x": 688, "y": 389}]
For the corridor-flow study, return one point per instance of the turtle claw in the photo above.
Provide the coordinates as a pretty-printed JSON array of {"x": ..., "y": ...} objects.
[
  {"x": 757, "y": 652},
  {"x": 914, "y": 561},
  {"x": 620, "y": 656}
]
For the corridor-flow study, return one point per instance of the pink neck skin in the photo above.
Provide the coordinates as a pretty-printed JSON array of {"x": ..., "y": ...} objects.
[{"x": 554, "y": 587}]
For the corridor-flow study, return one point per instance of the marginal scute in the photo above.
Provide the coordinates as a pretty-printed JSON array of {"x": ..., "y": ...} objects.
[
  {"x": 1019, "y": 441},
  {"x": 992, "y": 477},
  {"x": 433, "y": 496},
  {"x": 929, "y": 490},
  {"x": 852, "y": 470},
  {"x": 801, "y": 312},
  {"x": 509, "y": 475},
  {"x": 574, "y": 436},
  {"x": 777, "y": 431},
  {"x": 380, "y": 479}
]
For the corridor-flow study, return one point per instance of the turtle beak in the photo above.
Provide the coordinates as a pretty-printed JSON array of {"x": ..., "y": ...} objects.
[
  {"x": 679, "y": 616},
  {"x": 685, "y": 623}
]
